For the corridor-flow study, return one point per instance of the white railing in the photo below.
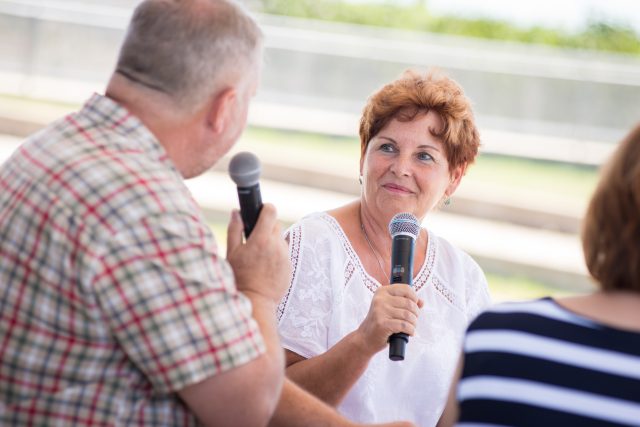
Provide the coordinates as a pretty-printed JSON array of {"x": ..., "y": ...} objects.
[{"x": 575, "y": 103}]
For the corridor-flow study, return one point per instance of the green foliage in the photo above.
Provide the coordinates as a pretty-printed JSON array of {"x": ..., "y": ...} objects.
[
  {"x": 603, "y": 36},
  {"x": 385, "y": 14},
  {"x": 597, "y": 36}
]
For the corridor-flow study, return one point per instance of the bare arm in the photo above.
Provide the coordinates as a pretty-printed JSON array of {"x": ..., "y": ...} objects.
[
  {"x": 299, "y": 408},
  {"x": 247, "y": 395},
  {"x": 451, "y": 411},
  {"x": 331, "y": 375},
  {"x": 346, "y": 361}
]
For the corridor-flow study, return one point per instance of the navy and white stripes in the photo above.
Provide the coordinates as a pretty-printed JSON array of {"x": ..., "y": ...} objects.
[{"x": 537, "y": 364}]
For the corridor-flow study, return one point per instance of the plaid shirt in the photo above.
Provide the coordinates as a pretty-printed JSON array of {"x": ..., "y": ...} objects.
[{"x": 112, "y": 293}]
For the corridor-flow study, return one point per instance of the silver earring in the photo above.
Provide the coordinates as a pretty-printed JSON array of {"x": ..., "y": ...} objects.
[
  {"x": 360, "y": 179},
  {"x": 447, "y": 201}
]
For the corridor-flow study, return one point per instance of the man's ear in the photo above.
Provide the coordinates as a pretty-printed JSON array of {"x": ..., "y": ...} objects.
[
  {"x": 455, "y": 177},
  {"x": 220, "y": 110}
]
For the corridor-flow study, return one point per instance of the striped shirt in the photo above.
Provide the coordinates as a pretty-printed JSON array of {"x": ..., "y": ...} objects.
[
  {"x": 538, "y": 364},
  {"x": 112, "y": 293}
]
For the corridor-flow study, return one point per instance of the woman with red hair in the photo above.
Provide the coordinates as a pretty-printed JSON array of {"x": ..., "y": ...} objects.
[{"x": 418, "y": 136}]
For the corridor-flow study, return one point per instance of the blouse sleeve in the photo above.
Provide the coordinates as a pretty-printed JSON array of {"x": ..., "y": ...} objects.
[
  {"x": 477, "y": 296},
  {"x": 304, "y": 312}
]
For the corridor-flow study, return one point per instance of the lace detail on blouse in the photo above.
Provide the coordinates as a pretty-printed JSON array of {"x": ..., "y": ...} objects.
[
  {"x": 348, "y": 272},
  {"x": 295, "y": 237},
  {"x": 304, "y": 313},
  {"x": 330, "y": 295},
  {"x": 446, "y": 293},
  {"x": 354, "y": 260},
  {"x": 427, "y": 268}
]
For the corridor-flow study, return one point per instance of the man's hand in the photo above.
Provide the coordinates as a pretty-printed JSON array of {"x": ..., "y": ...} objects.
[{"x": 261, "y": 265}]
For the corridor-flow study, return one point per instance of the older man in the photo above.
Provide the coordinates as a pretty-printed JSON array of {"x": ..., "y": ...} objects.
[
  {"x": 114, "y": 298},
  {"x": 115, "y": 306}
]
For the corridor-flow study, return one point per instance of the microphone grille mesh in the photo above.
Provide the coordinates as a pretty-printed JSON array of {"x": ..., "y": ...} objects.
[
  {"x": 244, "y": 169},
  {"x": 404, "y": 223}
]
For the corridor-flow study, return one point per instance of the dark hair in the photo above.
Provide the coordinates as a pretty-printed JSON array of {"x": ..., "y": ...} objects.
[
  {"x": 414, "y": 93},
  {"x": 611, "y": 230}
]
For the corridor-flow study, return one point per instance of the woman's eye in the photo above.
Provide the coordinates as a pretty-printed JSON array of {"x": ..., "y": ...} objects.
[
  {"x": 387, "y": 148},
  {"x": 425, "y": 156}
]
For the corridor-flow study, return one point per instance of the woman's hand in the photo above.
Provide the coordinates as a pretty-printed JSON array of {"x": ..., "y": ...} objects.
[{"x": 394, "y": 309}]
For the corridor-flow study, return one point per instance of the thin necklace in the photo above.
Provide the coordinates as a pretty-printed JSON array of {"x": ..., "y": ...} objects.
[{"x": 375, "y": 253}]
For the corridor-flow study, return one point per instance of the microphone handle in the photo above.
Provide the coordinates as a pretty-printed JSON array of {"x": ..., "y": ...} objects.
[
  {"x": 401, "y": 272},
  {"x": 250, "y": 206}
]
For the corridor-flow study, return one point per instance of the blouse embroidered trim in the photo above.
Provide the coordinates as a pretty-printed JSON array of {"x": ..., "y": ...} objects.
[
  {"x": 348, "y": 272},
  {"x": 295, "y": 239},
  {"x": 421, "y": 279},
  {"x": 447, "y": 294}
]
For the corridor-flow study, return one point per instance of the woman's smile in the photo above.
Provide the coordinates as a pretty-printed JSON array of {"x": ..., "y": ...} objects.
[{"x": 396, "y": 188}]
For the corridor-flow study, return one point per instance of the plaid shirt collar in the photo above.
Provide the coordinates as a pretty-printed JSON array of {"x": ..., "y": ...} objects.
[{"x": 103, "y": 111}]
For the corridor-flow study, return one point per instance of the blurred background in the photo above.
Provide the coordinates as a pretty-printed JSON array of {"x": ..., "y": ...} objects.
[{"x": 555, "y": 85}]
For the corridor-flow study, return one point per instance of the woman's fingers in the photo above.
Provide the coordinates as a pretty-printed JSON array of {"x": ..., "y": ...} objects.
[{"x": 399, "y": 297}]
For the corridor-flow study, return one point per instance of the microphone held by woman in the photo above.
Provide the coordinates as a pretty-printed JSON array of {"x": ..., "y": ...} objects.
[{"x": 404, "y": 229}]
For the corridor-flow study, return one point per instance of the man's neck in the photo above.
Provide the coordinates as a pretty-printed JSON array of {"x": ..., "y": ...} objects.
[{"x": 153, "y": 109}]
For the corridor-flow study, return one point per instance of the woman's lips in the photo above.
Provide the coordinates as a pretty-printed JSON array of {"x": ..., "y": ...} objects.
[{"x": 394, "y": 188}]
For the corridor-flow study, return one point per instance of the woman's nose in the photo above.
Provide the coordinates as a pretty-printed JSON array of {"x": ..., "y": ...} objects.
[{"x": 401, "y": 166}]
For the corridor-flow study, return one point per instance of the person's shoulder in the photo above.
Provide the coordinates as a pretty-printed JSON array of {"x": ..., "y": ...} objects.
[
  {"x": 313, "y": 224},
  {"x": 452, "y": 257},
  {"x": 505, "y": 312},
  {"x": 539, "y": 305}
]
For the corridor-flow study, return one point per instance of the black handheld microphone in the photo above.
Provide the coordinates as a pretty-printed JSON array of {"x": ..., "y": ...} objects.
[
  {"x": 244, "y": 170},
  {"x": 404, "y": 229}
]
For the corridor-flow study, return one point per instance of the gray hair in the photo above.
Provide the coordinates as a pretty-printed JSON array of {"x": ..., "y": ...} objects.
[{"x": 186, "y": 48}]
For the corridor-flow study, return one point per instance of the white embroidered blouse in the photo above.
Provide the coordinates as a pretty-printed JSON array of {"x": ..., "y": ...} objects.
[{"x": 330, "y": 295}]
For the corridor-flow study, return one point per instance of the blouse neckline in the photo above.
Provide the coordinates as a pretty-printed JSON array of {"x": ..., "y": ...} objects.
[{"x": 418, "y": 281}]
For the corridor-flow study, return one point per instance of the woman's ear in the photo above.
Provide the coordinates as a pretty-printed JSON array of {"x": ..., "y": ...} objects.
[
  {"x": 455, "y": 177},
  {"x": 221, "y": 110},
  {"x": 362, "y": 157}
]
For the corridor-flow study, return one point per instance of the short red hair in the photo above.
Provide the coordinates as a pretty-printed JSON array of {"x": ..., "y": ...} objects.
[{"x": 414, "y": 93}]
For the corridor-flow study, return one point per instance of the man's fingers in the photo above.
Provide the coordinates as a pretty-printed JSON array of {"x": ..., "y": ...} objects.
[
  {"x": 234, "y": 232},
  {"x": 264, "y": 225}
]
